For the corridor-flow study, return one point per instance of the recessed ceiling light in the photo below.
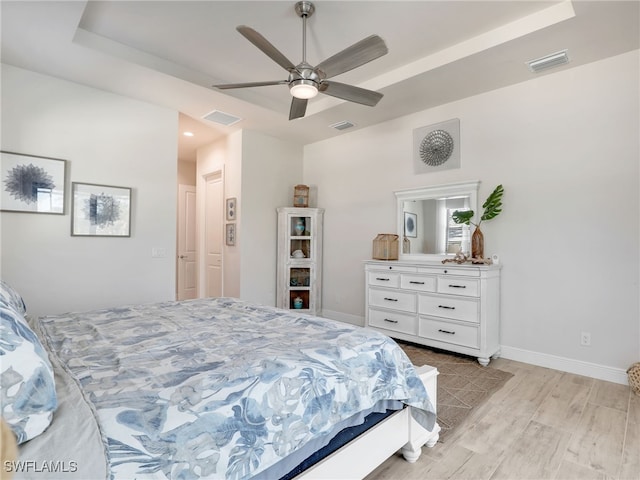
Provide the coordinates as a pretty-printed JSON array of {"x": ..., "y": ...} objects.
[{"x": 188, "y": 134}]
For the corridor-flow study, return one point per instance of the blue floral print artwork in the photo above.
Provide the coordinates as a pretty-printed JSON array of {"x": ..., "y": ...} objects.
[
  {"x": 26, "y": 182},
  {"x": 102, "y": 209}
]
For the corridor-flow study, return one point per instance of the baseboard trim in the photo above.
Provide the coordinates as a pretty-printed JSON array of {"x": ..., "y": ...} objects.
[
  {"x": 593, "y": 370},
  {"x": 344, "y": 317},
  {"x": 570, "y": 365}
]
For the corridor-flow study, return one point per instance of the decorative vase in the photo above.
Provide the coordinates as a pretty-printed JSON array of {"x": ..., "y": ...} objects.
[
  {"x": 477, "y": 244},
  {"x": 299, "y": 227},
  {"x": 297, "y": 303}
]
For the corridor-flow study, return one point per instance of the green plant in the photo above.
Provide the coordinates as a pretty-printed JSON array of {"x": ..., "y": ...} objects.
[{"x": 492, "y": 208}]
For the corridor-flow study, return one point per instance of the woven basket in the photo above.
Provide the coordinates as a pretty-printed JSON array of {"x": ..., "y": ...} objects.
[
  {"x": 634, "y": 377},
  {"x": 385, "y": 247}
]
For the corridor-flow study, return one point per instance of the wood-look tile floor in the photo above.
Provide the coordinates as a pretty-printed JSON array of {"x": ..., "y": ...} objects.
[{"x": 542, "y": 424}]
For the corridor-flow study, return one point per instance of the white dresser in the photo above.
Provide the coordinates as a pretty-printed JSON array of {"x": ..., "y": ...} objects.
[{"x": 451, "y": 307}]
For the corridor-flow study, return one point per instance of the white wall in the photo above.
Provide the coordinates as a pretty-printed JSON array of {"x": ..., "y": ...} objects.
[
  {"x": 270, "y": 170},
  {"x": 222, "y": 155},
  {"x": 260, "y": 172},
  {"x": 566, "y": 148},
  {"x": 106, "y": 139},
  {"x": 186, "y": 172}
]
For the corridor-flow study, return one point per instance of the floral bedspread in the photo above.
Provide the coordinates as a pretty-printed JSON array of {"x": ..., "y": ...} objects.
[{"x": 221, "y": 388}]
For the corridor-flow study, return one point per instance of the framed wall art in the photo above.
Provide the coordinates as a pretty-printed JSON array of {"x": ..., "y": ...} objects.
[
  {"x": 230, "y": 234},
  {"x": 32, "y": 184},
  {"x": 231, "y": 209},
  {"x": 100, "y": 210},
  {"x": 436, "y": 147},
  {"x": 410, "y": 225}
]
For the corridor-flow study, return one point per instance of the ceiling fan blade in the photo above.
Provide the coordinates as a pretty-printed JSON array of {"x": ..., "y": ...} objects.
[
  {"x": 350, "y": 93},
  {"x": 226, "y": 86},
  {"x": 264, "y": 45},
  {"x": 298, "y": 108},
  {"x": 351, "y": 57}
]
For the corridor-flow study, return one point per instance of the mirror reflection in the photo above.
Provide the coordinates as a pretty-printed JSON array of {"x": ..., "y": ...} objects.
[
  {"x": 425, "y": 223},
  {"x": 429, "y": 228}
]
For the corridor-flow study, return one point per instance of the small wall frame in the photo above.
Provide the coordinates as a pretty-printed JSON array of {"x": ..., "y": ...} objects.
[
  {"x": 100, "y": 210},
  {"x": 230, "y": 234},
  {"x": 410, "y": 225},
  {"x": 231, "y": 210}
]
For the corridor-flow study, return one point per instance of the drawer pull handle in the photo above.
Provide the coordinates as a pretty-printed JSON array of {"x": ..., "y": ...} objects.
[
  {"x": 382, "y": 279},
  {"x": 457, "y": 286},
  {"x": 446, "y": 331},
  {"x": 390, "y": 321},
  {"x": 416, "y": 283},
  {"x": 446, "y": 307},
  {"x": 391, "y": 299}
]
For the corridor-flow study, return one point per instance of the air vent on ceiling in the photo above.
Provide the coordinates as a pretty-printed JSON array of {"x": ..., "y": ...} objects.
[
  {"x": 222, "y": 118},
  {"x": 342, "y": 125},
  {"x": 548, "y": 61}
]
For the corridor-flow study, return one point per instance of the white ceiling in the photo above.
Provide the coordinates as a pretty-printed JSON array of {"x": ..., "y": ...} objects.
[{"x": 171, "y": 52}]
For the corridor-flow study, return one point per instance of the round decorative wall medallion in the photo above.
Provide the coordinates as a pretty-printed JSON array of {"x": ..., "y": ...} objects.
[{"x": 436, "y": 148}]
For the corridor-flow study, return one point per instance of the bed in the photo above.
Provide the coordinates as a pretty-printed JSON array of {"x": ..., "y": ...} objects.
[{"x": 216, "y": 388}]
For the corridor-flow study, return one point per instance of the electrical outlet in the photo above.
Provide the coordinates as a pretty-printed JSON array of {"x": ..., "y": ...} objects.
[{"x": 585, "y": 339}]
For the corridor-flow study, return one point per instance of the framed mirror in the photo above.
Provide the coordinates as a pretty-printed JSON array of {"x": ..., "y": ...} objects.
[{"x": 424, "y": 222}]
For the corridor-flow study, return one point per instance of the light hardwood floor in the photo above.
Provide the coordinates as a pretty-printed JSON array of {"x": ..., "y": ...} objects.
[{"x": 544, "y": 425}]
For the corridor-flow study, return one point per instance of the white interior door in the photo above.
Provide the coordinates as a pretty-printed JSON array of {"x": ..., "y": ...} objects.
[
  {"x": 187, "y": 243},
  {"x": 214, "y": 200}
]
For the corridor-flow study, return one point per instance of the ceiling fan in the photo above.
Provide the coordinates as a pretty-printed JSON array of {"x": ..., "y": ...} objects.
[{"x": 305, "y": 80}]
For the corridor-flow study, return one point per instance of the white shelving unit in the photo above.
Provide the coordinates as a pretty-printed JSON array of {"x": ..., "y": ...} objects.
[{"x": 299, "y": 282}]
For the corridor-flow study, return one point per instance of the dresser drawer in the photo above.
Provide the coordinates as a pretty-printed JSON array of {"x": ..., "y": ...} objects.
[
  {"x": 390, "y": 267},
  {"x": 458, "y": 271},
  {"x": 394, "y": 299},
  {"x": 468, "y": 287},
  {"x": 450, "y": 332},
  {"x": 421, "y": 283},
  {"x": 398, "y": 322},
  {"x": 384, "y": 279},
  {"x": 458, "y": 308}
]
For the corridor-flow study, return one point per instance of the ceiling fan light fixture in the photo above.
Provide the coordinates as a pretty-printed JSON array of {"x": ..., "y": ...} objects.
[
  {"x": 303, "y": 89},
  {"x": 306, "y": 81}
]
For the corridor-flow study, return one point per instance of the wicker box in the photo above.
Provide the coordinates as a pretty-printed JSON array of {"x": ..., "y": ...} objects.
[
  {"x": 301, "y": 196},
  {"x": 385, "y": 247}
]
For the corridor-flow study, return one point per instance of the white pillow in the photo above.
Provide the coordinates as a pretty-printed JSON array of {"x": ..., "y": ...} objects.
[
  {"x": 11, "y": 298},
  {"x": 27, "y": 393}
]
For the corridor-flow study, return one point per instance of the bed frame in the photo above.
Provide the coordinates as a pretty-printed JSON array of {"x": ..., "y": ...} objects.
[{"x": 397, "y": 432}]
